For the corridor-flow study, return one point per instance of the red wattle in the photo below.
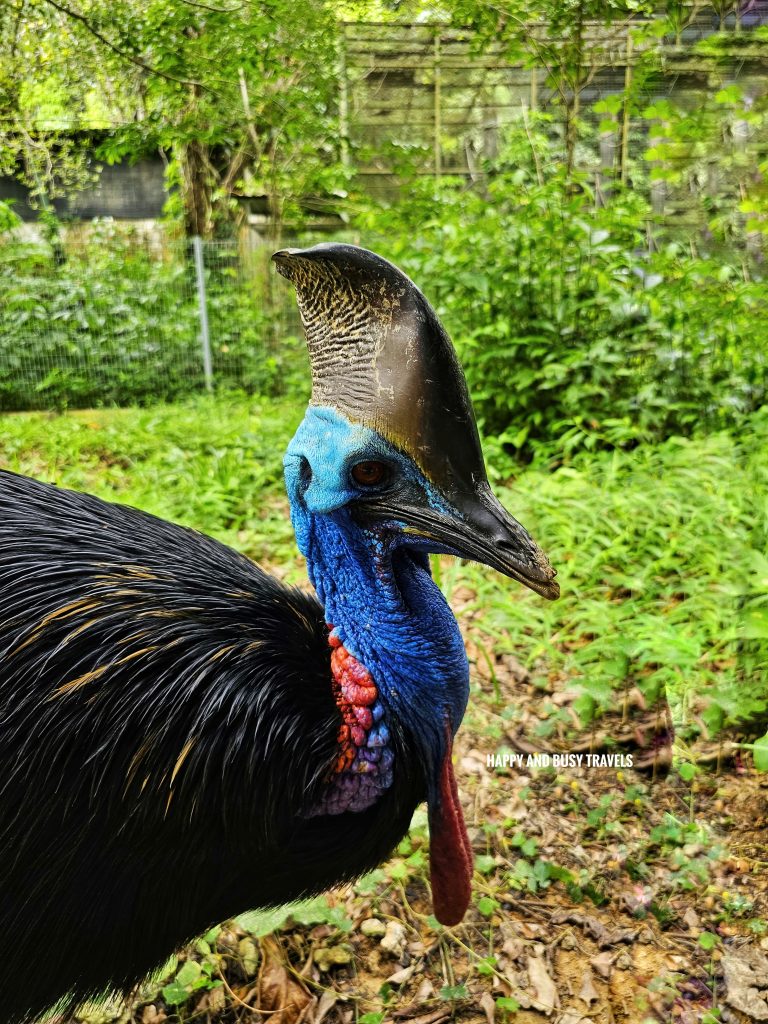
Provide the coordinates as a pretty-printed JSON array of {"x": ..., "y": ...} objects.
[{"x": 450, "y": 853}]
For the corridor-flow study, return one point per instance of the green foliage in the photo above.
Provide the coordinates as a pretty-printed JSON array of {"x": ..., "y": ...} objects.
[
  {"x": 487, "y": 906},
  {"x": 529, "y": 876},
  {"x": 708, "y": 940},
  {"x": 311, "y": 912},
  {"x": 454, "y": 992},
  {"x": 211, "y": 464},
  {"x": 242, "y": 103},
  {"x": 193, "y": 976},
  {"x": 688, "y": 771},
  {"x": 507, "y": 1006},
  {"x": 654, "y": 550},
  {"x": 654, "y": 547},
  {"x": 115, "y": 323},
  {"x": 8, "y": 219},
  {"x": 570, "y": 331},
  {"x": 485, "y": 863},
  {"x": 760, "y": 754},
  {"x": 688, "y": 850}
]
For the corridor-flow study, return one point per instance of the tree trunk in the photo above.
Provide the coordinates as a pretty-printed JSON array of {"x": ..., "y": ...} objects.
[
  {"x": 571, "y": 79},
  {"x": 197, "y": 189}
]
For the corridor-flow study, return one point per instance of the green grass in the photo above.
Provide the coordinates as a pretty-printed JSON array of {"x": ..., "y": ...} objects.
[
  {"x": 661, "y": 559},
  {"x": 660, "y": 551}
]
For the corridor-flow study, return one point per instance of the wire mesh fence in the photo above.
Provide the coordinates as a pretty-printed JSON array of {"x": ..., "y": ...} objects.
[
  {"x": 107, "y": 314},
  {"x": 115, "y": 317}
]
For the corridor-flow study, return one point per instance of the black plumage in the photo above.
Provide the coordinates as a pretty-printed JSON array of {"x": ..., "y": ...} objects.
[{"x": 167, "y": 716}]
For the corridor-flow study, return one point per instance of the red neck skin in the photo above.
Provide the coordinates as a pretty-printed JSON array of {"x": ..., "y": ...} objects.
[{"x": 450, "y": 853}]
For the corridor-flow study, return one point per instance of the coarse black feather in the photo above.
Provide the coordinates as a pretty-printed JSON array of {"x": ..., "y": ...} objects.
[{"x": 166, "y": 720}]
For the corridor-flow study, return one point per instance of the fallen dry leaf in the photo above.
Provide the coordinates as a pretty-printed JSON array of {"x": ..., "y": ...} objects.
[
  {"x": 424, "y": 992},
  {"x": 572, "y": 1017},
  {"x": 545, "y": 991},
  {"x": 488, "y": 1006},
  {"x": 595, "y": 928},
  {"x": 326, "y": 1003},
  {"x": 151, "y": 1015},
  {"x": 746, "y": 981},
  {"x": 691, "y": 920},
  {"x": 403, "y": 975},
  {"x": 588, "y": 993},
  {"x": 212, "y": 1002},
  {"x": 603, "y": 964},
  {"x": 279, "y": 993}
]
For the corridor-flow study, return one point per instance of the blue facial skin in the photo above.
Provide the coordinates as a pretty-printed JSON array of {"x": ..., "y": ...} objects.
[{"x": 375, "y": 583}]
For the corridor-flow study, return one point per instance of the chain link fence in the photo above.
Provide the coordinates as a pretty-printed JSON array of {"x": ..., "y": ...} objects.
[{"x": 115, "y": 317}]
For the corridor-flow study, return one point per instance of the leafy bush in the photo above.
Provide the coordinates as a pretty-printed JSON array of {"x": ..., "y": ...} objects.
[
  {"x": 568, "y": 326},
  {"x": 115, "y": 322}
]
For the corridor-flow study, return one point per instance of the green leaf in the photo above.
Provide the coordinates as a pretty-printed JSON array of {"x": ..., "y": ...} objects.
[
  {"x": 507, "y": 1004},
  {"x": 174, "y": 994},
  {"x": 612, "y": 104},
  {"x": 263, "y": 922},
  {"x": 189, "y": 972},
  {"x": 529, "y": 848},
  {"x": 398, "y": 871},
  {"x": 730, "y": 94},
  {"x": 485, "y": 863},
  {"x": 760, "y": 753},
  {"x": 371, "y": 883},
  {"x": 319, "y": 911},
  {"x": 486, "y": 966},
  {"x": 454, "y": 992},
  {"x": 756, "y": 624},
  {"x": 486, "y": 905},
  {"x": 189, "y": 978}
]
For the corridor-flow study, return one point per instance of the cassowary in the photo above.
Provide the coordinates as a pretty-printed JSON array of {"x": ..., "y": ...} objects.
[{"x": 183, "y": 737}]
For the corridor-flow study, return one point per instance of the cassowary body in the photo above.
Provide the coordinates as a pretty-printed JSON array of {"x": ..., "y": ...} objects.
[
  {"x": 162, "y": 722},
  {"x": 183, "y": 737}
]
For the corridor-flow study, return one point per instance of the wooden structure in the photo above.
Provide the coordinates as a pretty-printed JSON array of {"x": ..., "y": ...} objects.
[{"x": 425, "y": 97}]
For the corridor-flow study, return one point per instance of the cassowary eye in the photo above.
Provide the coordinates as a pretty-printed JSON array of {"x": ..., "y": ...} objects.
[{"x": 370, "y": 473}]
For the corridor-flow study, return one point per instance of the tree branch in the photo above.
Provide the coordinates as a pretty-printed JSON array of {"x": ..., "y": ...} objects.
[
  {"x": 76, "y": 16},
  {"x": 215, "y": 10}
]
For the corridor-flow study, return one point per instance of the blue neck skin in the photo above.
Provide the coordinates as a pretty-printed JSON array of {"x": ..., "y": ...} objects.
[{"x": 375, "y": 584}]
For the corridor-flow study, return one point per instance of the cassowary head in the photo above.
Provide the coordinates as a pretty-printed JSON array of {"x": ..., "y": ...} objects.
[
  {"x": 390, "y": 430},
  {"x": 386, "y": 468}
]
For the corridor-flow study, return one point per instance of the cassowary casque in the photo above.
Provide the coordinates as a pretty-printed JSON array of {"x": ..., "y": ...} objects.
[{"x": 183, "y": 737}]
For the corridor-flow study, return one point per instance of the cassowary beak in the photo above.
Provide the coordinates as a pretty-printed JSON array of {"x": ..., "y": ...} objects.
[{"x": 481, "y": 530}]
